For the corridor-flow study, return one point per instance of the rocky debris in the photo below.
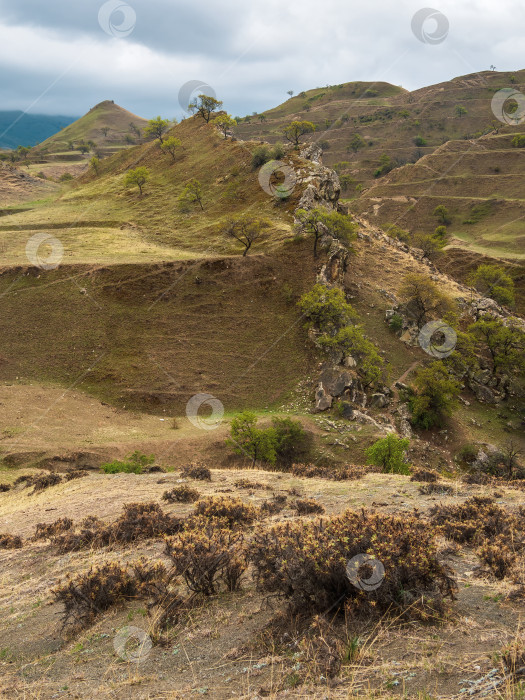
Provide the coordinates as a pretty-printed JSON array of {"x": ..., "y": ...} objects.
[
  {"x": 484, "y": 393},
  {"x": 336, "y": 381},
  {"x": 410, "y": 336}
]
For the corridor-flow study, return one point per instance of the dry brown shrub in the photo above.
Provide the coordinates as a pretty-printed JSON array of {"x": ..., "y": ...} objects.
[
  {"x": 10, "y": 541},
  {"x": 348, "y": 472},
  {"x": 45, "y": 531},
  {"x": 196, "y": 471},
  {"x": 307, "y": 506},
  {"x": 233, "y": 510},
  {"x": 5, "y": 487},
  {"x": 40, "y": 483},
  {"x": 427, "y": 475},
  {"x": 181, "y": 494}
]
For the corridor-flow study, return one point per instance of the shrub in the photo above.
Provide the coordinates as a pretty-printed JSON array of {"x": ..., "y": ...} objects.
[
  {"x": 396, "y": 323},
  {"x": 278, "y": 151},
  {"x": 436, "y": 396},
  {"x": 260, "y": 156},
  {"x": 425, "y": 475},
  {"x": 326, "y": 309},
  {"x": 86, "y": 595},
  {"x": 10, "y": 541},
  {"x": 249, "y": 441},
  {"x": 40, "y": 483},
  {"x": 65, "y": 177},
  {"x": 247, "y": 484},
  {"x": 75, "y": 474},
  {"x": 206, "y": 553},
  {"x": 134, "y": 464},
  {"x": 293, "y": 442},
  {"x": 276, "y": 505},
  {"x": 181, "y": 494},
  {"x": 519, "y": 141},
  {"x": 45, "y": 531},
  {"x": 468, "y": 453},
  {"x": 314, "y": 471},
  {"x": 306, "y": 562},
  {"x": 232, "y": 510},
  {"x": 308, "y": 506},
  {"x": 439, "y": 488},
  {"x": 197, "y": 472},
  {"x": 5, "y": 487},
  {"x": 389, "y": 454}
]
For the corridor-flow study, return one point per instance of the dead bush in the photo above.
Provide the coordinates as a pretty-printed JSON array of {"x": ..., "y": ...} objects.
[
  {"x": 514, "y": 657},
  {"x": 10, "y": 541},
  {"x": 196, "y": 471},
  {"x": 137, "y": 521},
  {"x": 427, "y": 475},
  {"x": 433, "y": 487},
  {"x": 181, "y": 494},
  {"x": 307, "y": 506},
  {"x": 499, "y": 555},
  {"x": 247, "y": 484},
  {"x": 5, "y": 487},
  {"x": 307, "y": 563},
  {"x": 75, "y": 474},
  {"x": 26, "y": 479},
  {"x": 86, "y": 595},
  {"x": 314, "y": 471},
  {"x": 206, "y": 553},
  {"x": 45, "y": 531},
  {"x": 44, "y": 481},
  {"x": 233, "y": 510},
  {"x": 273, "y": 506}
]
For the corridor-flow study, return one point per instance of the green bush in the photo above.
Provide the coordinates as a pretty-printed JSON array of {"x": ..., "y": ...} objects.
[
  {"x": 260, "y": 156},
  {"x": 134, "y": 464},
  {"x": 519, "y": 141},
  {"x": 389, "y": 454},
  {"x": 435, "y": 397},
  {"x": 327, "y": 309},
  {"x": 396, "y": 323}
]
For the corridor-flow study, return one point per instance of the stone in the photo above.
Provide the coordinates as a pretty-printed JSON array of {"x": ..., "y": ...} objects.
[
  {"x": 323, "y": 400},
  {"x": 347, "y": 410},
  {"x": 482, "y": 376},
  {"x": 336, "y": 381},
  {"x": 378, "y": 401},
  {"x": 484, "y": 393},
  {"x": 349, "y": 362}
]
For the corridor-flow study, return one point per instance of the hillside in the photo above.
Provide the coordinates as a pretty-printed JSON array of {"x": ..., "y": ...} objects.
[
  {"x": 389, "y": 119},
  {"x": 19, "y": 129}
]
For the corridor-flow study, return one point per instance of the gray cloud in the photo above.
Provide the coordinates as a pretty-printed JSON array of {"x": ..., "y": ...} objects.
[{"x": 57, "y": 56}]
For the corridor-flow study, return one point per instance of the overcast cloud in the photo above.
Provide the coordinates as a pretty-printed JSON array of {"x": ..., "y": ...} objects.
[{"x": 56, "y": 59}]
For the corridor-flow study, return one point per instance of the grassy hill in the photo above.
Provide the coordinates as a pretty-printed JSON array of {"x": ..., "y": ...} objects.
[{"x": 19, "y": 129}]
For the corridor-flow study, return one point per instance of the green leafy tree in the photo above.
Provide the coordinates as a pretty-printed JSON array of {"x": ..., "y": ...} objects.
[
  {"x": 424, "y": 298},
  {"x": 84, "y": 148},
  {"x": 249, "y": 441},
  {"x": 225, "y": 123},
  {"x": 389, "y": 454},
  {"x": 296, "y": 129},
  {"x": 139, "y": 176},
  {"x": 385, "y": 165},
  {"x": 326, "y": 309},
  {"x": 246, "y": 230},
  {"x": 204, "y": 106},
  {"x": 294, "y": 444},
  {"x": 23, "y": 151},
  {"x": 191, "y": 194},
  {"x": 460, "y": 111},
  {"x": 351, "y": 340},
  {"x": 503, "y": 344},
  {"x": 95, "y": 164},
  {"x": 441, "y": 232},
  {"x": 317, "y": 222},
  {"x": 443, "y": 214},
  {"x": 435, "y": 397},
  {"x": 494, "y": 282},
  {"x": 171, "y": 146},
  {"x": 420, "y": 141},
  {"x": 157, "y": 128},
  {"x": 356, "y": 142}
]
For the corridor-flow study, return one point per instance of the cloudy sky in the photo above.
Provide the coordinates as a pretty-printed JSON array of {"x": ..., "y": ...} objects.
[{"x": 64, "y": 56}]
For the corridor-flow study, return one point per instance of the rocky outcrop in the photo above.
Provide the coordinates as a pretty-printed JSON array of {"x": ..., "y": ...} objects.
[{"x": 333, "y": 271}]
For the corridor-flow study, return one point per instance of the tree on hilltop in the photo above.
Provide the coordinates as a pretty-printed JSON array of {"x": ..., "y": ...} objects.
[
  {"x": 157, "y": 127},
  {"x": 204, "y": 106}
]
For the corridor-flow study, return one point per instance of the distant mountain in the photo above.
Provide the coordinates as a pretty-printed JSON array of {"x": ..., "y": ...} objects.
[
  {"x": 107, "y": 124},
  {"x": 19, "y": 129}
]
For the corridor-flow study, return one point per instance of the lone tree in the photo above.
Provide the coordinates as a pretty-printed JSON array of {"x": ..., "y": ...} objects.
[
  {"x": 105, "y": 131},
  {"x": 170, "y": 146},
  {"x": 290, "y": 92},
  {"x": 317, "y": 222},
  {"x": 494, "y": 282},
  {"x": 137, "y": 177},
  {"x": 225, "y": 123},
  {"x": 95, "y": 163},
  {"x": 191, "y": 194},
  {"x": 442, "y": 213},
  {"x": 460, "y": 111},
  {"x": 356, "y": 143},
  {"x": 84, "y": 148},
  {"x": 389, "y": 454},
  {"x": 435, "y": 397},
  {"x": 424, "y": 298},
  {"x": 135, "y": 129},
  {"x": 204, "y": 106},
  {"x": 296, "y": 129},
  {"x": 246, "y": 230},
  {"x": 157, "y": 127},
  {"x": 503, "y": 344},
  {"x": 23, "y": 151}
]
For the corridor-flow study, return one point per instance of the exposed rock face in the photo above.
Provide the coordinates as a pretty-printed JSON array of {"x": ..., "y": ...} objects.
[
  {"x": 335, "y": 381},
  {"x": 313, "y": 152},
  {"x": 323, "y": 400},
  {"x": 334, "y": 270}
]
